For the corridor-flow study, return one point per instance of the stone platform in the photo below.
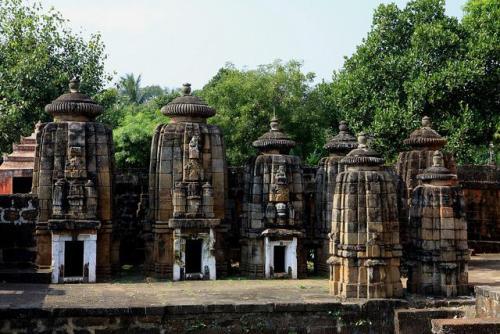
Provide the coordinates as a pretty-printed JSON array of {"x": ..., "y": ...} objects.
[{"x": 224, "y": 306}]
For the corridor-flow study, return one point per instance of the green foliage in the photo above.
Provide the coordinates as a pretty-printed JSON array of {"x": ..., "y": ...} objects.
[
  {"x": 245, "y": 101},
  {"x": 129, "y": 87},
  {"x": 38, "y": 56},
  {"x": 135, "y": 127},
  {"x": 133, "y": 136},
  {"x": 417, "y": 61}
]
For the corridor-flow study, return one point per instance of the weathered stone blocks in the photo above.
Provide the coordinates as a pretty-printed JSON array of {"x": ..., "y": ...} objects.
[
  {"x": 365, "y": 249},
  {"x": 187, "y": 190},
  {"x": 273, "y": 210},
  {"x": 73, "y": 181},
  {"x": 438, "y": 234}
]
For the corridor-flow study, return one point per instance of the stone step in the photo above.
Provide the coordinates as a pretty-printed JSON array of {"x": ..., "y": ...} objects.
[
  {"x": 18, "y": 158},
  {"x": 24, "y": 147},
  {"x": 418, "y": 321}
]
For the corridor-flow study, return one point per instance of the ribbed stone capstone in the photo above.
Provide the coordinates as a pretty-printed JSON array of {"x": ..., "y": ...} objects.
[
  {"x": 343, "y": 142},
  {"x": 274, "y": 141},
  {"x": 74, "y": 106},
  {"x": 365, "y": 245},
  {"x": 188, "y": 105},
  {"x": 423, "y": 142}
]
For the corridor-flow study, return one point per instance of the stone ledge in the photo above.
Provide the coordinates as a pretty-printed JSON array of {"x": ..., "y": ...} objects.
[
  {"x": 466, "y": 326},
  {"x": 57, "y": 312}
]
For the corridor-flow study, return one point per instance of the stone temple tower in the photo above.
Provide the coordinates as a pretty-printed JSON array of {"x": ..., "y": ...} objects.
[
  {"x": 73, "y": 181},
  {"x": 365, "y": 229},
  {"x": 272, "y": 226},
  {"x": 187, "y": 189},
  {"x": 423, "y": 142},
  {"x": 329, "y": 167},
  {"x": 438, "y": 234}
]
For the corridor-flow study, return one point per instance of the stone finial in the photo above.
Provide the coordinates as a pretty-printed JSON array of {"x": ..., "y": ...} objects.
[
  {"x": 363, "y": 154},
  {"x": 437, "y": 159},
  {"x": 426, "y": 122},
  {"x": 425, "y": 137},
  {"x": 362, "y": 140},
  {"x": 74, "y": 85},
  {"x": 437, "y": 171},
  {"x": 274, "y": 139},
  {"x": 186, "y": 89},
  {"x": 491, "y": 154},
  {"x": 343, "y": 126},
  {"x": 275, "y": 124}
]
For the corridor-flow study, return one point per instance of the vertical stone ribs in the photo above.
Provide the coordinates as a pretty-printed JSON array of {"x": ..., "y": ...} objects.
[
  {"x": 438, "y": 234},
  {"x": 365, "y": 229}
]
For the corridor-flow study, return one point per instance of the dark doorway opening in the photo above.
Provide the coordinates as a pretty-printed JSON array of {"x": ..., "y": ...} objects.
[
  {"x": 21, "y": 185},
  {"x": 279, "y": 259},
  {"x": 73, "y": 258},
  {"x": 193, "y": 256}
]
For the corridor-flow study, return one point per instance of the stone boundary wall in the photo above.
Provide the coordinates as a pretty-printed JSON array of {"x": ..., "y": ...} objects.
[
  {"x": 332, "y": 317},
  {"x": 18, "y": 215},
  {"x": 128, "y": 234},
  {"x": 481, "y": 188}
]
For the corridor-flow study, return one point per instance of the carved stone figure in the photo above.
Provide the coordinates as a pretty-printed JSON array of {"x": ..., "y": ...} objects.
[{"x": 194, "y": 150}]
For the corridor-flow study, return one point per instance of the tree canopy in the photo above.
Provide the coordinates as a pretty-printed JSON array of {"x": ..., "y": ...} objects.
[
  {"x": 246, "y": 100},
  {"x": 417, "y": 61},
  {"x": 38, "y": 56}
]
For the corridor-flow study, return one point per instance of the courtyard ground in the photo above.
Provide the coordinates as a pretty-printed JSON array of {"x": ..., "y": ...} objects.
[{"x": 483, "y": 270}]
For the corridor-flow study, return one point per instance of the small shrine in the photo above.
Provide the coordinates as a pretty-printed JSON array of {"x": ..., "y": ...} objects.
[
  {"x": 188, "y": 186},
  {"x": 72, "y": 179},
  {"x": 365, "y": 245},
  {"x": 438, "y": 234},
  {"x": 272, "y": 226},
  {"x": 16, "y": 170},
  {"x": 328, "y": 169}
]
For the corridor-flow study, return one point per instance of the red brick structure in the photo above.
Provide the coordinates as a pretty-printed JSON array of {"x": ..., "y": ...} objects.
[{"x": 16, "y": 171}]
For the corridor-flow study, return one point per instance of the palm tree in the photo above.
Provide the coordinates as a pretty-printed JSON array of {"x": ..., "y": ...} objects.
[{"x": 130, "y": 87}]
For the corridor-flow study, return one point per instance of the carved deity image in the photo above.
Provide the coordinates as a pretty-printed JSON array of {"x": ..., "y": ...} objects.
[
  {"x": 58, "y": 195},
  {"x": 193, "y": 171},
  {"x": 279, "y": 189},
  {"x": 75, "y": 165},
  {"x": 194, "y": 149}
]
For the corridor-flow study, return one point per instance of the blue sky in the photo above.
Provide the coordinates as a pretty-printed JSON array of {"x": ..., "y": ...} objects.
[{"x": 171, "y": 42}]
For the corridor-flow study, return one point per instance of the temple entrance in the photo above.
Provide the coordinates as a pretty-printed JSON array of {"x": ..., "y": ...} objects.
[
  {"x": 279, "y": 259},
  {"x": 73, "y": 258},
  {"x": 21, "y": 185},
  {"x": 193, "y": 256}
]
